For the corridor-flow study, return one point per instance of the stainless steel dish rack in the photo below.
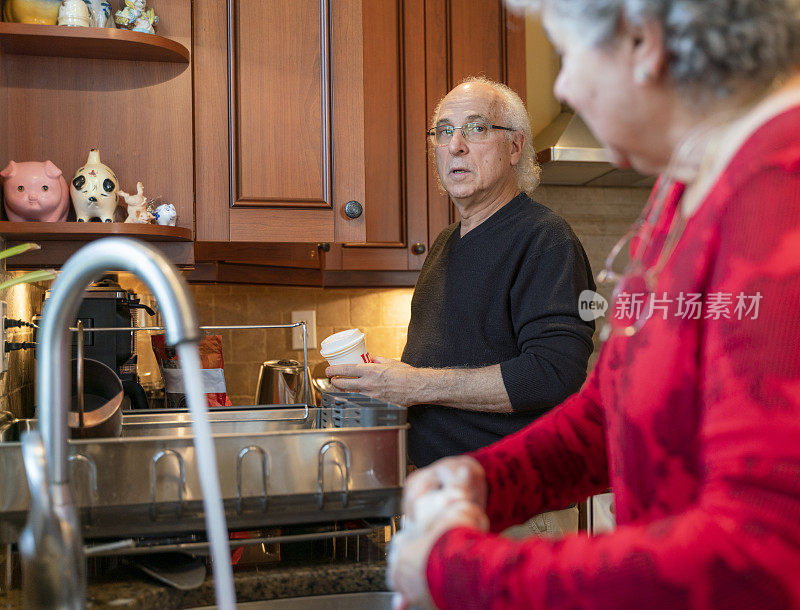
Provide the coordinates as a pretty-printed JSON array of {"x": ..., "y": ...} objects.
[
  {"x": 278, "y": 465},
  {"x": 349, "y": 410}
]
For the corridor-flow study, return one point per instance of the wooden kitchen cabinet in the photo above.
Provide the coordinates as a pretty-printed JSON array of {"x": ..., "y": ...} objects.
[
  {"x": 66, "y": 90},
  {"x": 328, "y": 103},
  {"x": 279, "y": 127},
  {"x": 414, "y": 52},
  {"x": 311, "y": 123}
]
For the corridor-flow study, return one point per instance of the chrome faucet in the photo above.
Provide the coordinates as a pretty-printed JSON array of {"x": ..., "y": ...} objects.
[{"x": 66, "y": 571}]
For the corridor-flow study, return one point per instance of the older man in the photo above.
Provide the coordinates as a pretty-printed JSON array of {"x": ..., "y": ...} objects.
[{"x": 495, "y": 339}]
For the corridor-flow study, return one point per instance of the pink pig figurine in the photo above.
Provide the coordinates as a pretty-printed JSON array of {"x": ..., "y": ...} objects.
[{"x": 35, "y": 190}]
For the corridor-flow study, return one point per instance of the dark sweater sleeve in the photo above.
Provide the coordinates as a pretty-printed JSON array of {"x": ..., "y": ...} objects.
[{"x": 554, "y": 343}]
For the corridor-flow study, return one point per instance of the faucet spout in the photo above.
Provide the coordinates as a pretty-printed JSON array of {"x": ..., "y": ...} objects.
[
  {"x": 52, "y": 394},
  {"x": 60, "y": 310}
]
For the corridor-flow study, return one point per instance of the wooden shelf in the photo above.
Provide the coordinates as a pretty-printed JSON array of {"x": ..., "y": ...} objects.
[
  {"x": 88, "y": 42},
  {"x": 60, "y": 240},
  {"x": 87, "y": 231}
]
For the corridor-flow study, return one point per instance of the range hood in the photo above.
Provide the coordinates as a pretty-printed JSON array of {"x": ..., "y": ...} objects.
[{"x": 571, "y": 155}]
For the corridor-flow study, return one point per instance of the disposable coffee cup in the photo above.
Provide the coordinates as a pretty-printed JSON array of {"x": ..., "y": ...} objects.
[{"x": 346, "y": 347}]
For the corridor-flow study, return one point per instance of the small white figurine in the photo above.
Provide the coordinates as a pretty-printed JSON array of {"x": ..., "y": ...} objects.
[
  {"x": 143, "y": 24},
  {"x": 137, "y": 206},
  {"x": 136, "y": 17},
  {"x": 100, "y": 13},
  {"x": 108, "y": 13},
  {"x": 165, "y": 214},
  {"x": 94, "y": 190},
  {"x": 74, "y": 13}
]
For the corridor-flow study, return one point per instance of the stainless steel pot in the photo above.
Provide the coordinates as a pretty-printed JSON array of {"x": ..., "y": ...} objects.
[
  {"x": 282, "y": 382},
  {"x": 99, "y": 399},
  {"x": 97, "y": 393}
]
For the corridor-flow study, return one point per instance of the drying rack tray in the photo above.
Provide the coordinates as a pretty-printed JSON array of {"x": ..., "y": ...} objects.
[{"x": 276, "y": 466}]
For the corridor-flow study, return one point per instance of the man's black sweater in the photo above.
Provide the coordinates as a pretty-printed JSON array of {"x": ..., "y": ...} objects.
[{"x": 506, "y": 293}]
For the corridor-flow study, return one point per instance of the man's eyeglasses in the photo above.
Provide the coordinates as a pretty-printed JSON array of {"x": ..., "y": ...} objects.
[{"x": 472, "y": 132}]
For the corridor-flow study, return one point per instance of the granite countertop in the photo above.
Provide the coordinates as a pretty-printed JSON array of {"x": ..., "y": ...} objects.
[{"x": 128, "y": 588}]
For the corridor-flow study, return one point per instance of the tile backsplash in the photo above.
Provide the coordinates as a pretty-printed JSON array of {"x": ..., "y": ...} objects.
[
  {"x": 599, "y": 216},
  {"x": 382, "y": 314}
]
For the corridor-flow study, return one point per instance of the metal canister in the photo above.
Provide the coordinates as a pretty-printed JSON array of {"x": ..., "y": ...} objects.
[{"x": 282, "y": 382}]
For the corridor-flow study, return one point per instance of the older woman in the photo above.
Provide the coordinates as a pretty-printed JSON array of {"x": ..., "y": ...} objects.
[{"x": 692, "y": 413}]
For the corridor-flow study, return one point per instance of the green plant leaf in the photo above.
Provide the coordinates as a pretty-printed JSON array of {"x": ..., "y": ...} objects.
[
  {"x": 40, "y": 275},
  {"x": 14, "y": 250}
]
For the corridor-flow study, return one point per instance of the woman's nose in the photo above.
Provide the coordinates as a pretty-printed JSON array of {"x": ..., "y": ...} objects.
[{"x": 560, "y": 87}]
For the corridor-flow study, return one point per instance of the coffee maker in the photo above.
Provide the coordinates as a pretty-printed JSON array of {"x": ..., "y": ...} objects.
[{"x": 106, "y": 304}]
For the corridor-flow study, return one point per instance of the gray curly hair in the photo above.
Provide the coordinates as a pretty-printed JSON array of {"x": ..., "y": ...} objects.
[
  {"x": 513, "y": 114},
  {"x": 714, "y": 45}
]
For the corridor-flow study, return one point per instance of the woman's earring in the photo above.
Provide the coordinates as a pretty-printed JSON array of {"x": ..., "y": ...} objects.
[{"x": 642, "y": 75}]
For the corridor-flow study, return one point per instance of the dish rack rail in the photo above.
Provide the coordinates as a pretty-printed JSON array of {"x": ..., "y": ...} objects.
[{"x": 302, "y": 325}]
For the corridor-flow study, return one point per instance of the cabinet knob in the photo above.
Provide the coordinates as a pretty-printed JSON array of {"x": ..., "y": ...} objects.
[
  {"x": 418, "y": 248},
  {"x": 353, "y": 209},
  {"x": 324, "y": 246}
]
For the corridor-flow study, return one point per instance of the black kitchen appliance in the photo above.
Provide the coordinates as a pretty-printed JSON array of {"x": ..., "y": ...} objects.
[{"x": 107, "y": 305}]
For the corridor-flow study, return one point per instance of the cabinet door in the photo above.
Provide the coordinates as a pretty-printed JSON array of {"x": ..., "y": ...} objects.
[
  {"x": 415, "y": 51},
  {"x": 279, "y": 120},
  {"x": 394, "y": 139},
  {"x": 468, "y": 38}
]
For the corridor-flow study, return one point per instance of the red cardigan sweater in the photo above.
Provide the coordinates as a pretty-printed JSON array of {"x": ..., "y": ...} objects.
[{"x": 694, "y": 423}]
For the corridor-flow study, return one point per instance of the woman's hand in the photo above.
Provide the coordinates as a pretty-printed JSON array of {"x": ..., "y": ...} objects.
[
  {"x": 461, "y": 472},
  {"x": 408, "y": 554},
  {"x": 447, "y": 494}
]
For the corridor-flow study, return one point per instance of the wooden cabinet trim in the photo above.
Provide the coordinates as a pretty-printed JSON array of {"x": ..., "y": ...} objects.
[
  {"x": 280, "y": 225},
  {"x": 209, "y": 36},
  {"x": 368, "y": 279},
  {"x": 438, "y": 76},
  {"x": 377, "y": 244},
  {"x": 375, "y": 259},
  {"x": 415, "y": 112},
  {"x": 347, "y": 90},
  {"x": 294, "y": 254},
  {"x": 254, "y": 274},
  {"x": 274, "y": 202}
]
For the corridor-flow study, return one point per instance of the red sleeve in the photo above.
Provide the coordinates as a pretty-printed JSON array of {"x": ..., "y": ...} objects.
[
  {"x": 737, "y": 546},
  {"x": 554, "y": 462}
]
